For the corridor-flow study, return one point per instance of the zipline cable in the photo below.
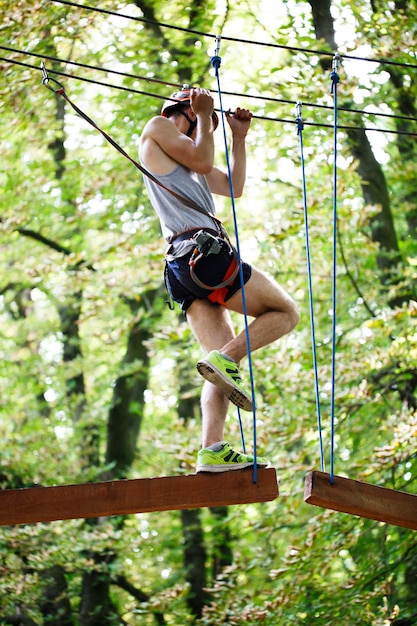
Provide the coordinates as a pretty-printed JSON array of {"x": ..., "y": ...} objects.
[
  {"x": 95, "y": 68},
  {"x": 216, "y": 62},
  {"x": 145, "y": 20},
  {"x": 300, "y": 126},
  {"x": 257, "y": 117},
  {"x": 158, "y": 81}
]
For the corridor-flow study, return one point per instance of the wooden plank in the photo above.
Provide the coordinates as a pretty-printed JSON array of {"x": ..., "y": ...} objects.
[
  {"x": 143, "y": 495},
  {"x": 359, "y": 498}
]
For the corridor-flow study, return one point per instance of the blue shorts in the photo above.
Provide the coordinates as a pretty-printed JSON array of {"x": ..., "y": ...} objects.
[{"x": 211, "y": 270}]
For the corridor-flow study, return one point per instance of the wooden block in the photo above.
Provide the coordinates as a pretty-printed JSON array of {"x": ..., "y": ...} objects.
[
  {"x": 359, "y": 498},
  {"x": 143, "y": 495}
]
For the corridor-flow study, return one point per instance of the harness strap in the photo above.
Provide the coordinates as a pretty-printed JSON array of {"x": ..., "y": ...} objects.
[
  {"x": 219, "y": 295},
  {"x": 188, "y": 234},
  {"x": 228, "y": 278}
]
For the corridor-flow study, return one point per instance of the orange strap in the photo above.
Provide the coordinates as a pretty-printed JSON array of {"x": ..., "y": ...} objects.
[{"x": 219, "y": 295}]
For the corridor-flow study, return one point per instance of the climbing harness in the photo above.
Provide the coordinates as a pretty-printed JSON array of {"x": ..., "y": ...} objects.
[{"x": 206, "y": 244}]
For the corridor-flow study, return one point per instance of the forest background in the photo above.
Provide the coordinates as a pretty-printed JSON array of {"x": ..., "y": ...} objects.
[{"x": 97, "y": 374}]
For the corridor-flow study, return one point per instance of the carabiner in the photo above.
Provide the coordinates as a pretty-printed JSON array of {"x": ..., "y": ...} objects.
[
  {"x": 299, "y": 117},
  {"x": 46, "y": 80},
  {"x": 216, "y": 59}
]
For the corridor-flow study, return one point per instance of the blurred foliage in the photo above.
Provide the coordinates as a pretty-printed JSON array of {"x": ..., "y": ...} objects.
[{"x": 78, "y": 236}]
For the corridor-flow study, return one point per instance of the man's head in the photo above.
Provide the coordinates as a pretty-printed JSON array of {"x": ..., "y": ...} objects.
[{"x": 180, "y": 103}]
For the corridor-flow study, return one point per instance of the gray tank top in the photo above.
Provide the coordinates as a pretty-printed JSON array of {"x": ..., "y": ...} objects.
[{"x": 174, "y": 216}]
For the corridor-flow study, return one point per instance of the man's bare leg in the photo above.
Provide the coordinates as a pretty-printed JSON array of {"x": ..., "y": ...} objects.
[
  {"x": 212, "y": 328},
  {"x": 275, "y": 315},
  {"x": 214, "y": 407},
  {"x": 274, "y": 311}
]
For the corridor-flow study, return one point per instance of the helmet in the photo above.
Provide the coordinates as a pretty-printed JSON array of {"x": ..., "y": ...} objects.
[
  {"x": 180, "y": 98},
  {"x": 176, "y": 100}
]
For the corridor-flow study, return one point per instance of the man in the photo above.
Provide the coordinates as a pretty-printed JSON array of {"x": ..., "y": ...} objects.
[{"x": 177, "y": 147}]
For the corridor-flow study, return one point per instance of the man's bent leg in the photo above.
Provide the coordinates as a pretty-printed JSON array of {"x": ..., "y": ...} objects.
[
  {"x": 275, "y": 315},
  {"x": 274, "y": 311}
]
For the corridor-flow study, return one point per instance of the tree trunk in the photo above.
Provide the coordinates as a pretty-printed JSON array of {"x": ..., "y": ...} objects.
[
  {"x": 195, "y": 554},
  {"x": 195, "y": 557},
  {"x": 375, "y": 193},
  {"x": 96, "y": 608},
  {"x": 223, "y": 552},
  {"x": 126, "y": 413},
  {"x": 55, "y": 605}
]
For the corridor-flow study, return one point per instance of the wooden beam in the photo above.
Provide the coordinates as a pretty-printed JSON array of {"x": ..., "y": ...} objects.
[
  {"x": 143, "y": 495},
  {"x": 359, "y": 498}
]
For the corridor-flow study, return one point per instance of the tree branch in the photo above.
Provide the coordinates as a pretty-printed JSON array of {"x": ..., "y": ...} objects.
[
  {"x": 140, "y": 596},
  {"x": 32, "y": 234}
]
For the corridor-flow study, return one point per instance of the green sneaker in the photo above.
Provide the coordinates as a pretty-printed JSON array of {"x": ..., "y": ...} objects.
[
  {"x": 225, "y": 374},
  {"x": 225, "y": 460}
]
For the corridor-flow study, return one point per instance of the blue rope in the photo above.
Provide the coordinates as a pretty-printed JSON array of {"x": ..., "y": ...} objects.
[
  {"x": 334, "y": 76},
  {"x": 300, "y": 127},
  {"x": 242, "y": 435},
  {"x": 216, "y": 62}
]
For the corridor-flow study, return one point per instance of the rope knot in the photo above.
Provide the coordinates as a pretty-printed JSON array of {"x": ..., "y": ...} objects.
[
  {"x": 335, "y": 78},
  {"x": 216, "y": 61}
]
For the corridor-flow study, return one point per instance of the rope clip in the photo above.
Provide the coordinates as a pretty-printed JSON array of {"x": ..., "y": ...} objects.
[
  {"x": 336, "y": 62},
  {"x": 216, "y": 59},
  {"x": 46, "y": 80},
  {"x": 334, "y": 76},
  {"x": 217, "y": 49},
  {"x": 298, "y": 117}
]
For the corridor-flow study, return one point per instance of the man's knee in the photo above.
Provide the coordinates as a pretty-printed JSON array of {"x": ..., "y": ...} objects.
[
  {"x": 290, "y": 310},
  {"x": 294, "y": 315}
]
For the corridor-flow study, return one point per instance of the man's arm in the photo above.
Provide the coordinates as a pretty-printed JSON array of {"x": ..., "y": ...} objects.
[
  {"x": 163, "y": 145},
  {"x": 218, "y": 180}
]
